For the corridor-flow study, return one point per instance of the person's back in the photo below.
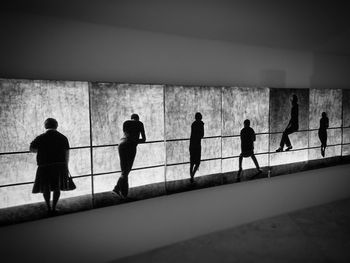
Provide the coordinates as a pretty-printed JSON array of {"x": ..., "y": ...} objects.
[
  {"x": 324, "y": 123},
  {"x": 247, "y": 147},
  {"x": 197, "y": 133},
  {"x": 247, "y": 140},
  {"x": 294, "y": 120},
  {"x": 132, "y": 130},
  {"x": 127, "y": 151},
  {"x": 51, "y": 147}
]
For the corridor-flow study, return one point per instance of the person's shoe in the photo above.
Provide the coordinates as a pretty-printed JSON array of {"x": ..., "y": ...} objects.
[
  {"x": 289, "y": 148},
  {"x": 280, "y": 149},
  {"x": 322, "y": 152},
  {"x": 117, "y": 191},
  {"x": 192, "y": 180}
]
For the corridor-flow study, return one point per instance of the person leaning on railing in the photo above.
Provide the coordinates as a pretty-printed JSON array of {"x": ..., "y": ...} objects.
[
  {"x": 127, "y": 151},
  {"x": 52, "y": 150}
]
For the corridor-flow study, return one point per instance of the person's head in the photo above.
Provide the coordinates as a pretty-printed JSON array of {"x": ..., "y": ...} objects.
[
  {"x": 198, "y": 116},
  {"x": 324, "y": 115},
  {"x": 294, "y": 99},
  {"x": 247, "y": 123},
  {"x": 135, "y": 117},
  {"x": 51, "y": 123}
]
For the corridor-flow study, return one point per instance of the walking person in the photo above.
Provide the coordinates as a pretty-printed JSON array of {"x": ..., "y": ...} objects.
[
  {"x": 247, "y": 148},
  {"x": 127, "y": 151},
  {"x": 292, "y": 126},
  {"x": 197, "y": 133},
  {"x": 52, "y": 174},
  {"x": 322, "y": 132}
]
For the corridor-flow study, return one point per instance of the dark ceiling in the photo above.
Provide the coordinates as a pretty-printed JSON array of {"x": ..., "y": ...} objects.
[{"x": 318, "y": 26}]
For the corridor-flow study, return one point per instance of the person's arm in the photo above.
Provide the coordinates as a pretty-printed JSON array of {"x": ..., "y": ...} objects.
[
  {"x": 143, "y": 135},
  {"x": 126, "y": 133},
  {"x": 67, "y": 156},
  {"x": 202, "y": 131},
  {"x": 33, "y": 147},
  {"x": 67, "y": 151},
  {"x": 254, "y": 136}
]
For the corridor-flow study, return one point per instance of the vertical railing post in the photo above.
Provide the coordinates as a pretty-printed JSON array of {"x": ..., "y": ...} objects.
[
  {"x": 164, "y": 138},
  {"x": 91, "y": 149}
]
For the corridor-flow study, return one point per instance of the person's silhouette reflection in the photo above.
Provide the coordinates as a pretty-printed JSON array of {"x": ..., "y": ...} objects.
[
  {"x": 247, "y": 147},
  {"x": 52, "y": 150},
  {"x": 322, "y": 132},
  {"x": 127, "y": 152},
  {"x": 197, "y": 133},
  {"x": 292, "y": 126}
]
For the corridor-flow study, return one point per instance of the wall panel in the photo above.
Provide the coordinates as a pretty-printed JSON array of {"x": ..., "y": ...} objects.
[{"x": 280, "y": 113}]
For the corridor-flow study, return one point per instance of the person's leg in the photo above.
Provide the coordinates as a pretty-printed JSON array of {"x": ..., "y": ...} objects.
[
  {"x": 256, "y": 162},
  {"x": 285, "y": 140},
  {"x": 282, "y": 142},
  {"x": 47, "y": 195},
  {"x": 191, "y": 169},
  {"x": 122, "y": 150},
  {"x": 196, "y": 166},
  {"x": 130, "y": 157},
  {"x": 192, "y": 172},
  {"x": 240, "y": 159},
  {"x": 55, "y": 198},
  {"x": 321, "y": 140}
]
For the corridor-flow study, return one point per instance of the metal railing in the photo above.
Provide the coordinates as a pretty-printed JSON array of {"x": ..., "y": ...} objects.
[{"x": 177, "y": 163}]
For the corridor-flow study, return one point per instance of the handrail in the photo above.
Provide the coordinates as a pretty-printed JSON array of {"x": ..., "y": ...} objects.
[
  {"x": 181, "y": 163},
  {"x": 174, "y": 140}
]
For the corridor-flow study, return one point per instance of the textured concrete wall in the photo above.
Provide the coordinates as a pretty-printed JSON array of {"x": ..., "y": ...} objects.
[
  {"x": 25, "y": 105},
  {"x": 280, "y": 114},
  {"x": 329, "y": 101}
]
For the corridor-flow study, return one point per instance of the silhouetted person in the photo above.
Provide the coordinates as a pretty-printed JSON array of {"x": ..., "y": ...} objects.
[
  {"x": 52, "y": 150},
  {"x": 197, "y": 133},
  {"x": 127, "y": 152},
  {"x": 322, "y": 132},
  {"x": 292, "y": 126},
  {"x": 247, "y": 147}
]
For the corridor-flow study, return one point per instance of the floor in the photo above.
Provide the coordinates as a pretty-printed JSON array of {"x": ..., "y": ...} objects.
[
  {"x": 203, "y": 225},
  {"x": 317, "y": 234}
]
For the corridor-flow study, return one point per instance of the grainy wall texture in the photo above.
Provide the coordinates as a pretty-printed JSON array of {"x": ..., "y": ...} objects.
[{"x": 167, "y": 111}]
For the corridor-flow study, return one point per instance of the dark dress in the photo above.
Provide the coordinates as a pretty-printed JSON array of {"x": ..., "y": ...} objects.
[
  {"x": 197, "y": 133},
  {"x": 247, "y": 141},
  {"x": 322, "y": 131},
  {"x": 52, "y": 172}
]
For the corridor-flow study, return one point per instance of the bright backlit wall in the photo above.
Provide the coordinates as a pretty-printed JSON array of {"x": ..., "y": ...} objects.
[{"x": 91, "y": 116}]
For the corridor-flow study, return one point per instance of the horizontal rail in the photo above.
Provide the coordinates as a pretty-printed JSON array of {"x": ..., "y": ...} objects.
[
  {"x": 172, "y": 140},
  {"x": 182, "y": 163}
]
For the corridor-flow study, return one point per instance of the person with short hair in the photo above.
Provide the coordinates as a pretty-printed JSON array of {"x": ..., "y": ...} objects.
[
  {"x": 322, "y": 132},
  {"x": 52, "y": 150},
  {"x": 127, "y": 151},
  {"x": 197, "y": 133},
  {"x": 247, "y": 147}
]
